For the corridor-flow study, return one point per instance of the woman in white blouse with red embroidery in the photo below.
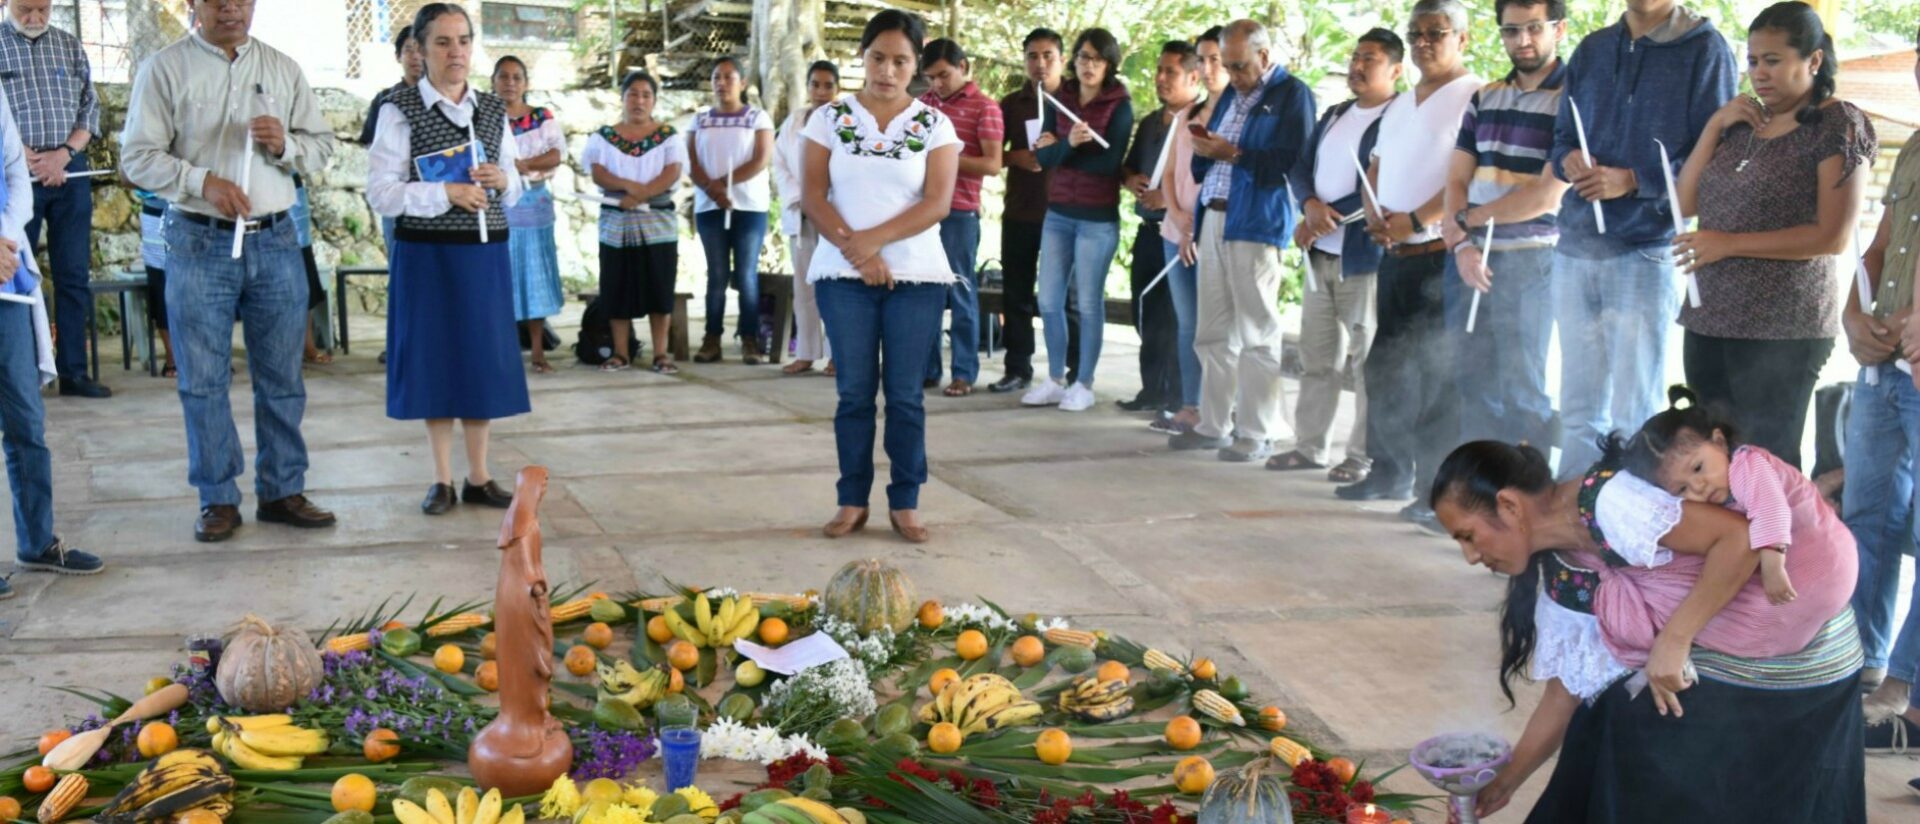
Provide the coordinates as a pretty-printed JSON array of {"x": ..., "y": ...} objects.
[{"x": 879, "y": 173}]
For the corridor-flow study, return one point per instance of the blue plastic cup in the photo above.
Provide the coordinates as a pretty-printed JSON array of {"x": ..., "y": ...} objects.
[{"x": 680, "y": 748}]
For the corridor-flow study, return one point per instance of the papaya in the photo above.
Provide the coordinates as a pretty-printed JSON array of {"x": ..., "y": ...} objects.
[
  {"x": 415, "y": 789},
  {"x": 842, "y": 735},
  {"x": 899, "y": 745},
  {"x": 894, "y": 719}
]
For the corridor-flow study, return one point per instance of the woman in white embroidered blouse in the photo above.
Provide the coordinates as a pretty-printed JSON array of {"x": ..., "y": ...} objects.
[
  {"x": 536, "y": 256},
  {"x": 880, "y": 168},
  {"x": 823, "y": 84},
  {"x": 730, "y": 148}
]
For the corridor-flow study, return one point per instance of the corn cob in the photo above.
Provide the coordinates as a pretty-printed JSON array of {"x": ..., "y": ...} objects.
[
  {"x": 659, "y": 604},
  {"x": 1072, "y": 638},
  {"x": 1288, "y": 750},
  {"x": 63, "y": 798},
  {"x": 454, "y": 624},
  {"x": 343, "y": 644},
  {"x": 1154, "y": 659},
  {"x": 1218, "y": 707},
  {"x": 572, "y": 610},
  {"x": 797, "y": 602}
]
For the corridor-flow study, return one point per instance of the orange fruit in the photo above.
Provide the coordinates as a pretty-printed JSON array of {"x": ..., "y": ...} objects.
[
  {"x": 198, "y": 815},
  {"x": 1343, "y": 769},
  {"x": 675, "y": 681},
  {"x": 38, "y": 779},
  {"x": 682, "y": 655},
  {"x": 9, "y": 808},
  {"x": 1113, "y": 671},
  {"x": 1029, "y": 651},
  {"x": 944, "y": 738},
  {"x": 941, "y": 679},
  {"x": 1272, "y": 719},
  {"x": 353, "y": 792},
  {"x": 487, "y": 676},
  {"x": 658, "y": 631},
  {"x": 1193, "y": 775},
  {"x": 383, "y": 744},
  {"x": 49, "y": 740},
  {"x": 971, "y": 645},
  {"x": 597, "y": 635},
  {"x": 597, "y": 596},
  {"x": 1053, "y": 746},
  {"x": 157, "y": 739},
  {"x": 930, "y": 615},
  {"x": 489, "y": 644},
  {"x": 449, "y": 658},
  {"x": 1183, "y": 733},
  {"x": 580, "y": 661},
  {"x": 393, "y": 625},
  {"x": 773, "y": 632},
  {"x": 1204, "y": 669},
  {"x": 157, "y": 684}
]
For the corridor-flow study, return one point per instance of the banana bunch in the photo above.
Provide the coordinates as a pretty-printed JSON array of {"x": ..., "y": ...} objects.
[
  {"x": 1091, "y": 699},
  {"x": 1218, "y": 707},
  {"x": 182, "y": 780},
  {"x": 265, "y": 742},
  {"x": 467, "y": 808},
  {"x": 736, "y": 618},
  {"x": 982, "y": 703},
  {"x": 620, "y": 681},
  {"x": 799, "y": 810}
]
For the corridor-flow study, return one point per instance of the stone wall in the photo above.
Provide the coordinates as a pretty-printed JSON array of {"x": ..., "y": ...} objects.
[{"x": 346, "y": 232}]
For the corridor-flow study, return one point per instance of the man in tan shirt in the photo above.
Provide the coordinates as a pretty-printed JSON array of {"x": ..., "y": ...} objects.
[{"x": 218, "y": 124}]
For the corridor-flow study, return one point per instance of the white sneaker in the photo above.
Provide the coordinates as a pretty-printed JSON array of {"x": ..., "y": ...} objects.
[
  {"x": 1078, "y": 399},
  {"x": 1045, "y": 392}
]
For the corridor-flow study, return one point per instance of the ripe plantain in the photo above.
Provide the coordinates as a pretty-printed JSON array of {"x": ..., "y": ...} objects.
[
  {"x": 703, "y": 615},
  {"x": 248, "y": 722},
  {"x": 286, "y": 740}
]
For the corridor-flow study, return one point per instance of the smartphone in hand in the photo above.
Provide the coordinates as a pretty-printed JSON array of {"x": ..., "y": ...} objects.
[{"x": 1197, "y": 130}]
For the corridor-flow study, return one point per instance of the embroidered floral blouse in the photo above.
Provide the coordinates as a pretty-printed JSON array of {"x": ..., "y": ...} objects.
[{"x": 875, "y": 174}]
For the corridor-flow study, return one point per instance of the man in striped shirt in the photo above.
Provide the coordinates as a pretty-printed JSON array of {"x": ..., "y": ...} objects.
[{"x": 1498, "y": 176}]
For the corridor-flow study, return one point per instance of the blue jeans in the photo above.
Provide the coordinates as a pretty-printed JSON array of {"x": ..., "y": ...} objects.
[
  {"x": 1501, "y": 367},
  {"x": 266, "y": 290},
  {"x": 67, "y": 212},
  {"x": 873, "y": 329},
  {"x": 1078, "y": 253},
  {"x": 1883, "y": 438},
  {"x": 960, "y": 234},
  {"x": 23, "y": 428},
  {"x": 1614, "y": 314},
  {"x": 1183, "y": 286},
  {"x": 733, "y": 257}
]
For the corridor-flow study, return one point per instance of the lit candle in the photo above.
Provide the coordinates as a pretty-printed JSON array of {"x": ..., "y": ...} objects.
[{"x": 1369, "y": 814}]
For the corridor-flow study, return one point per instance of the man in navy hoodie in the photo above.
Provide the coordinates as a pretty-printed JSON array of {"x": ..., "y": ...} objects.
[{"x": 1659, "y": 73}]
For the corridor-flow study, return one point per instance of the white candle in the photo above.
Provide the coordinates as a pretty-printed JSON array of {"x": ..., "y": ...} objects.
[
  {"x": 1486, "y": 255},
  {"x": 1679, "y": 220},
  {"x": 1366, "y": 186},
  {"x": 1166, "y": 148},
  {"x": 727, "y": 223},
  {"x": 1864, "y": 282},
  {"x": 1580, "y": 130},
  {"x": 473, "y": 154},
  {"x": 1075, "y": 118},
  {"x": 1139, "y": 321},
  {"x": 246, "y": 176}
]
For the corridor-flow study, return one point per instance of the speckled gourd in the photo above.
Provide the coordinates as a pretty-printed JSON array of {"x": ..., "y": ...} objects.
[
  {"x": 1254, "y": 794},
  {"x": 267, "y": 668},
  {"x": 871, "y": 595}
]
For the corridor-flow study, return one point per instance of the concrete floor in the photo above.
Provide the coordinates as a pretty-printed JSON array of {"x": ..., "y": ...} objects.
[{"x": 1368, "y": 633}]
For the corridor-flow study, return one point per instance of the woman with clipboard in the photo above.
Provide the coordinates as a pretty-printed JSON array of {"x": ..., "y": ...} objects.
[{"x": 442, "y": 152}]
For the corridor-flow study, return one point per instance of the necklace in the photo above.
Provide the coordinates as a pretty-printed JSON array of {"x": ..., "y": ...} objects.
[{"x": 1742, "y": 165}]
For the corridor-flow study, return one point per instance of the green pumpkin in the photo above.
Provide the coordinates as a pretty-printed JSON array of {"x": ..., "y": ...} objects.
[
  {"x": 1254, "y": 794},
  {"x": 871, "y": 595}
]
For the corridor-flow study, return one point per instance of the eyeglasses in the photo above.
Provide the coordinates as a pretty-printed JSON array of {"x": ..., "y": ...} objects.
[
  {"x": 1089, "y": 59},
  {"x": 1427, "y": 35},
  {"x": 1535, "y": 29}
]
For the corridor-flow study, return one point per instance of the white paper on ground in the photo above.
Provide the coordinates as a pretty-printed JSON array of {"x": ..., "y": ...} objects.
[{"x": 810, "y": 651}]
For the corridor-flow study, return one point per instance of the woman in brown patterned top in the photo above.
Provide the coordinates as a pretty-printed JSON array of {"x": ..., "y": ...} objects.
[{"x": 1772, "y": 180}]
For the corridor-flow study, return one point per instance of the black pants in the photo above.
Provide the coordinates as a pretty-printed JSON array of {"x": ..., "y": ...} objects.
[
  {"x": 1159, "y": 357},
  {"x": 1413, "y": 403},
  {"x": 1020, "y": 272},
  {"x": 1763, "y": 386}
]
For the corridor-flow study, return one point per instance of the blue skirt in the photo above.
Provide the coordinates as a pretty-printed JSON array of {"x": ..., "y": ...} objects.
[
  {"x": 452, "y": 350},
  {"x": 536, "y": 260}
]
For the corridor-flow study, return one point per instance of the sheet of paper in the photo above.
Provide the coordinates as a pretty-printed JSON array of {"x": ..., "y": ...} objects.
[
  {"x": 811, "y": 651},
  {"x": 1033, "y": 132}
]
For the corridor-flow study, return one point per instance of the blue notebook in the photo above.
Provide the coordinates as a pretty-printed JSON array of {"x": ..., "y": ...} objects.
[{"x": 453, "y": 165}]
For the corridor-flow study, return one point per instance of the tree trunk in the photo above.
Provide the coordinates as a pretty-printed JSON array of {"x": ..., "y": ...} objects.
[{"x": 786, "y": 33}]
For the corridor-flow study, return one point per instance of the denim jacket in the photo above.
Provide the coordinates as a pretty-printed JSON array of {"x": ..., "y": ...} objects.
[{"x": 1359, "y": 255}]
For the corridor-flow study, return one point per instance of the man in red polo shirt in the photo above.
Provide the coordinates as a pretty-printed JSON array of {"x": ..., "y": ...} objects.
[{"x": 976, "y": 119}]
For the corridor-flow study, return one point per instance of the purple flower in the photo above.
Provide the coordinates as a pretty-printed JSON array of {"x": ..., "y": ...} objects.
[{"x": 612, "y": 755}]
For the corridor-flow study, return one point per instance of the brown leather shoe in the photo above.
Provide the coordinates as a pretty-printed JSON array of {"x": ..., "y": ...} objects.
[
  {"x": 294, "y": 511},
  {"x": 709, "y": 350},
  {"x": 913, "y": 534},
  {"x": 838, "y": 528},
  {"x": 750, "y": 351},
  {"x": 217, "y": 523}
]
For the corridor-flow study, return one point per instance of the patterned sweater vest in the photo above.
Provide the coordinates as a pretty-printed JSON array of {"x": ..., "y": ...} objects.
[{"x": 433, "y": 132}]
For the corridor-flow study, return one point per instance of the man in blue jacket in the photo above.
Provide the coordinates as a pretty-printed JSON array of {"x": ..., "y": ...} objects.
[
  {"x": 1244, "y": 217},
  {"x": 1659, "y": 73}
]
